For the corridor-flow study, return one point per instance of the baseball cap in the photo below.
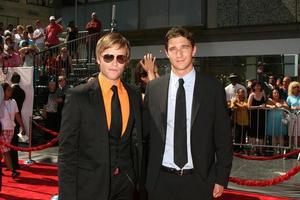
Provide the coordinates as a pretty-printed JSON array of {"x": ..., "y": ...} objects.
[{"x": 51, "y": 18}]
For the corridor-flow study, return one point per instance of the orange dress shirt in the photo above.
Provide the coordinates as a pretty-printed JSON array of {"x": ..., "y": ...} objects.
[{"x": 107, "y": 94}]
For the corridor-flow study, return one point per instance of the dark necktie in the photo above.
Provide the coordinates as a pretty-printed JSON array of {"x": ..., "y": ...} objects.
[
  {"x": 116, "y": 115},
  {"x": 180, "y": 138}
]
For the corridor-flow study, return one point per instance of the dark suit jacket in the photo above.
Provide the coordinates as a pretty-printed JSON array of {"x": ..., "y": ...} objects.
[
  {"x": 83, "y": 159},
  {"x": 210, "y": 130},
  {"x": 18, "y": 95}
]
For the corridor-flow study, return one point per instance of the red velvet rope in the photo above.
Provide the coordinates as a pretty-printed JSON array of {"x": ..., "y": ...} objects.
[
  {"x": 45, "y": 129},
  {"x": 268, "y": 182},
  {"x": 28, "y": 149},
  {"x": 260, "y": 158}
]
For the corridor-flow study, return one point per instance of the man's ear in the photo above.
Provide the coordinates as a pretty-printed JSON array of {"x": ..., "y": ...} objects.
[
  {"x": 98, "y": 60},
  {"x": 194, "y": 51}
]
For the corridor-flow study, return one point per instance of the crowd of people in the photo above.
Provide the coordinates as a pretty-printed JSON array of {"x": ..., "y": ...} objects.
[
  {"x": 264, "y": 112},
  {"x": 19, "y": 44}
]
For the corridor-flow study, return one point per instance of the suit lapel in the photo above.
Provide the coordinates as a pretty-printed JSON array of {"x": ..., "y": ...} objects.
[
  {"x": 132, "y": 103},
  {"x": 96, "y": 99},
  {"x": 197, "y": 97},
  {"x": 164, "y": 105}
]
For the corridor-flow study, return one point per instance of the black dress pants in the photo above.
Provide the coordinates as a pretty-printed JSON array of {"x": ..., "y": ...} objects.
[
  {"x": 176, "y": 187},
  {"x": 14, "y": 154},
  {"x": 122, "y": 186}
]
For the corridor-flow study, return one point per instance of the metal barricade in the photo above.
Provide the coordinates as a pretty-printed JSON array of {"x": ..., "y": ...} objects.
[
  {"x": 270, "y": 129},
  {"x": 81, "y": 61}
]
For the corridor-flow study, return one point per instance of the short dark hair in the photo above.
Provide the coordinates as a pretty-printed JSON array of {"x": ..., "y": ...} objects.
[
  {"x": 177, "y": 32},
  {"x": 254, "y": 83},
  {"x": 15, "y": 78},
  {"x": 5, "y": 86}
]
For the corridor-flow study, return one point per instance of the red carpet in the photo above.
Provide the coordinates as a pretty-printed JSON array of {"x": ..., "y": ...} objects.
[
  {"x": 36, "y": 182},
  {"x": 39, "y": 182}
]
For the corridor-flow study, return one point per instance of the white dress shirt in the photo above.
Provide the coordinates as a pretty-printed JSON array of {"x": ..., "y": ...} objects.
[{"x": 189, "y": 82}]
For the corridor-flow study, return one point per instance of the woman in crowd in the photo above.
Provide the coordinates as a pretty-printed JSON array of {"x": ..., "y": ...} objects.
[
  {"x": 239, "y": 105},
  {"x": 27, "y": 50},
  {"x": 275, "y": 128},
  {"x": 256, "y": 103},
  {"x": 293, "y": 101},
  {"x": 64, "y": 63},
  {"x": 30, "y": 31},
  {"x": 11, "y": 58},
  {"x": 10, "y": 114}
]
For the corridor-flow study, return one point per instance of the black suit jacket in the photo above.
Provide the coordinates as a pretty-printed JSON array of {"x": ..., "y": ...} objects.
[
  {"x": 83, "y": 159},
  {"x": 211, "y": 143},
  {"x": 18, "y": 95}
]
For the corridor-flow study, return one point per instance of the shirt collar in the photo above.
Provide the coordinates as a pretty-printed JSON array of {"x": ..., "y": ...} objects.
[
  {"x": 188, "y": 78},
  {"x": 106, "y": 84}
]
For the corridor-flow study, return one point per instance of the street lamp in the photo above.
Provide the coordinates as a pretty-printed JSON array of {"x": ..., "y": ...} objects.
[
  {"x": 76, "y": 10},
  {"x": 113, "y": 23}
]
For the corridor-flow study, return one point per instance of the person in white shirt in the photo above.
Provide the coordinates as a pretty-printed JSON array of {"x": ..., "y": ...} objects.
[
  {"x": 233, "y": 87},
  {"x": 38, "y": 35},
  {"x": 18, "y": 36},
  {"x": 10, "y": 114}
]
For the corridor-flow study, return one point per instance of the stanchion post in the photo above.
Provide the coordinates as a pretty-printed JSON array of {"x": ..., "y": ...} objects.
[{"x": 29, "y": 161}]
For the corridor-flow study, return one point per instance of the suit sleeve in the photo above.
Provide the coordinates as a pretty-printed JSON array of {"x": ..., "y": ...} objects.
[
  {"x": 68, "y": 147},
  {"x": 146, "y": 116},
  {"x": 222, "y": 137}
]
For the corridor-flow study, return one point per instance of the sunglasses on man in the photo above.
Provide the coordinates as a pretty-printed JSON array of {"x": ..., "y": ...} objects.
[{"x": 108, "y": 58}]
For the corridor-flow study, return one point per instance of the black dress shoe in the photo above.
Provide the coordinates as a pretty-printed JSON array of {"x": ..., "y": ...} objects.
[{"x": 15, "y": 174}]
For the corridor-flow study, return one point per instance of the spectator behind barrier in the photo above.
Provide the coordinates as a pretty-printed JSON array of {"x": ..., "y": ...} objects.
[
  {"x": 38, "y": 35},
  {"x": 52, "y": 32},
  {"x": 93, "y": 26},
  {"x": 256, "y": 101},
  {"x": 240, "y": 119},
  {"x": 18, "y": 36},
  {"x": 293, "y": 102},
  {"x": 11, "y": 58},
  {"x": 64, "y": 63},
  {"x": 285, "y": 87},
  {"x": 275, "y": 128},
  {"x": 50, "y": 109},
  {"x": 27, "y": 51},
  {"x": 232, "y": 88}
]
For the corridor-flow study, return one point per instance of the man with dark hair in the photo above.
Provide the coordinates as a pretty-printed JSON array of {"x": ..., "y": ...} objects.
[
  {"x": 18, "y": 94},
  {"x": 190, "y": 146}
]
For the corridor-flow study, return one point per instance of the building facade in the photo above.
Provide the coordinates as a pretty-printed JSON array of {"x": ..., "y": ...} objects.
[{"x": 25, "y": 12}]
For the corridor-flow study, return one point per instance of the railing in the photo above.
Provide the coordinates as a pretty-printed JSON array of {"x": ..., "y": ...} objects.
[
  {"x": 78, "y": 64},
  {"x": 274, "y": 130}
]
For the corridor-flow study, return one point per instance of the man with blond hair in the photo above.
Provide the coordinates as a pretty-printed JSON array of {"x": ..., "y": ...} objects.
[{"x": 101, "y": 141}]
